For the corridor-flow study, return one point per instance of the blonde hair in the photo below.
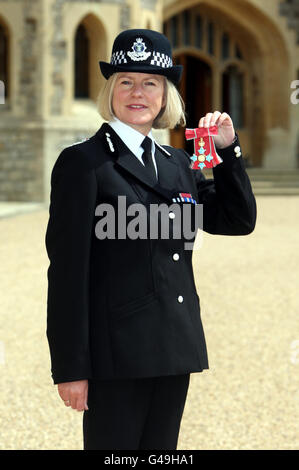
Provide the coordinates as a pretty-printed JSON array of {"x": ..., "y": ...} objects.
[{"x": 170, "y": 115}]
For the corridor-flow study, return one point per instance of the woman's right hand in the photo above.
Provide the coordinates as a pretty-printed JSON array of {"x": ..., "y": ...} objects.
[{"x": 74, "y": 394}]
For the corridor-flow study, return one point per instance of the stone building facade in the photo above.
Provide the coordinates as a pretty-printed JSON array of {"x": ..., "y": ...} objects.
[{"x": 239, "y": 56}]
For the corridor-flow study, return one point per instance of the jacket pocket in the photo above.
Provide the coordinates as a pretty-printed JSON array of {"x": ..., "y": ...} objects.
[{"x": 125, "y": 310}]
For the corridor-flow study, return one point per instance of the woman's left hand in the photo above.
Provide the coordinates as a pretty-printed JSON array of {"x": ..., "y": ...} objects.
[{"x": 226, "y": 131}]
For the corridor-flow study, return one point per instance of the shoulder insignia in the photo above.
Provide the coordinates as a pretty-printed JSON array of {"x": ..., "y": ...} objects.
[{"x": 109, "y": 142}]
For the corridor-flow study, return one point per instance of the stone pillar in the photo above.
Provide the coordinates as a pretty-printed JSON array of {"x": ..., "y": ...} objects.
[
  {"x": 58, "y": 53},
  {"x": 29, "y": 55}
]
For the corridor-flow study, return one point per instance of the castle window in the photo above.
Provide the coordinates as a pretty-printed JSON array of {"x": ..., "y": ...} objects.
[
  {"x": 211, "y": 38},
  {"x": 218, "y": 60},
  {"x": 198, "y": 32},
  {"x": 232, "y": 92},
  {"x": 174, "y": 31},
  {"x": 186, "y": 27},
  {"x": 225, "y": 46}
]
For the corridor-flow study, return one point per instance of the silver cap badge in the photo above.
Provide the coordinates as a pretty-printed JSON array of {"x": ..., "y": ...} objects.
[{"x": 138, "y": 51}]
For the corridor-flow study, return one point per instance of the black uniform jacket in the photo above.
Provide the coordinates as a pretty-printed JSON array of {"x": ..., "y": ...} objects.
[{"x": 126, "y": 308}]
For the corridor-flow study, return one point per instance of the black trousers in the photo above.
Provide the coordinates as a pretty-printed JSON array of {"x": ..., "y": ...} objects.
[{"x": 135, "y": 414}]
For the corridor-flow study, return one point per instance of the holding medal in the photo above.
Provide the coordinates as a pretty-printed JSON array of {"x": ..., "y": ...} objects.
[{"x": 124, "y": 324}]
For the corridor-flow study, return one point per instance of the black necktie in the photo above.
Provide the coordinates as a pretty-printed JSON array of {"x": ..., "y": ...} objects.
[{"x": 147, "y": 157}]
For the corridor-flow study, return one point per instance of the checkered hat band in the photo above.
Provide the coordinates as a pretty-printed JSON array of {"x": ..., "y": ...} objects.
[
  {"x": 161, "y": 60},
  {"x": 118, "y": 57}
]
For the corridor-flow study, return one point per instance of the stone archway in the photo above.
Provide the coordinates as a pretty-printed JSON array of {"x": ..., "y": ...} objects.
[
  {"x": 93, "y": 40},
  {"x": 81, "y": 66},
  {"x": 4, "y": 57},
  {"x": 224, "y": 37}
]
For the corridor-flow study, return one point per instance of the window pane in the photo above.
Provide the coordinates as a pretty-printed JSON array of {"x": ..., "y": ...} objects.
[
  {"x": 211, "y": 38},
  {"x": 225, "y": 46},
  {"x": 174, "y": 31},
  {"x": 236, "y": 92},
  {"x": 186, "y": 27},
  {"x": 198, "y": 32},
  {"x": 233, "y": 95}
]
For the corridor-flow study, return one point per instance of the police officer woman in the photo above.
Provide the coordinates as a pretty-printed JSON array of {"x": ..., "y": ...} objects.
[{"x": 124, "y": 325}]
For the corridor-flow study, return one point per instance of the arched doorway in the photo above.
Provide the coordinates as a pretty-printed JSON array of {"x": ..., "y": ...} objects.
[
  {"x": 217, "y": 69},
  {"x": 198, "y": 100},
  {"x": 89, "y": 46},
  {"x": 81, "y": 74},
  {"x": 246, "y": 55},
  {"x": 4, "y": 52}
]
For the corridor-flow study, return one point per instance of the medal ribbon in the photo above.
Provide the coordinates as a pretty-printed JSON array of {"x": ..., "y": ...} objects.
[{"x": 205, "y": 154}]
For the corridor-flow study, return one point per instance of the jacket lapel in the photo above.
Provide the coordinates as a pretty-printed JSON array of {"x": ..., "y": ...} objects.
[{"x": 167, "y": 168}]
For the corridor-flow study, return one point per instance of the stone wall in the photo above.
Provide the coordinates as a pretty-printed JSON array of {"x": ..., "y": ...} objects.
[
  {"x": 21, "y": 164},
  {"x": 54, "y": 142},
  {"x": 38, "y": 119}
]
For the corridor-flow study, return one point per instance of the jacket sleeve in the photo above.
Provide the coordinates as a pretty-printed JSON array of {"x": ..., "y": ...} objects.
[
  {"x": 68, "y": 242},
  {"x": 229, "y": 206}
]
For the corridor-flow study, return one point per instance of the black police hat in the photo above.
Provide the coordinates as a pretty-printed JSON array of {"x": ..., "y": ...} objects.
[{"x": 142, "y": 50}]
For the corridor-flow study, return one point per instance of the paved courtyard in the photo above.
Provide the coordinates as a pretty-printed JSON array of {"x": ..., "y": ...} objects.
[{"x": 249, "y": 290}]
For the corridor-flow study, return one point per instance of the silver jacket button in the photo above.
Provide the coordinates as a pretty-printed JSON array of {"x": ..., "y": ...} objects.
[
  {"x": 176, "y": 257},
  {"x": 171, "y": 215},
  {"x": 180, "y": 299},
  {"x": 237, "y": 151}
]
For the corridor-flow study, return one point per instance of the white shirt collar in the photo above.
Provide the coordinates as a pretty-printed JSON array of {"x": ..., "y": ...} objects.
[{"x": 132, "y": 138}]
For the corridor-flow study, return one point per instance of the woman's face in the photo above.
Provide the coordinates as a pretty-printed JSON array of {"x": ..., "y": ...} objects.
[{"x": 138, "y": 99}]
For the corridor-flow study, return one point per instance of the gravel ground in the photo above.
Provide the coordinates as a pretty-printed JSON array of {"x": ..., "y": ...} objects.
[{"x": 249, "y": 399}]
